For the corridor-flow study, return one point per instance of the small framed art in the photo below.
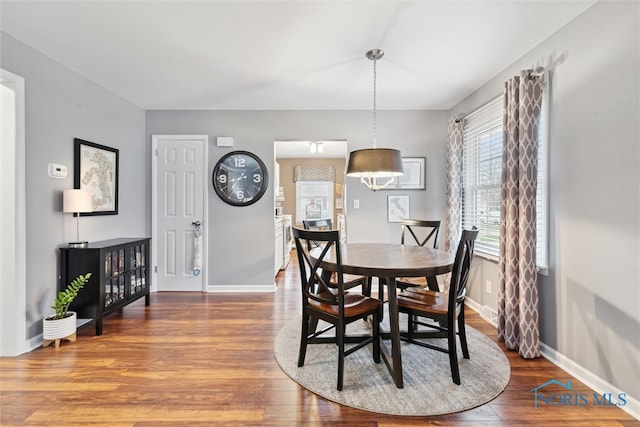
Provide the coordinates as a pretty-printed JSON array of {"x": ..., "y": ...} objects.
[
  {"x": 414, "y": 175},
  {"x": 96, "y": 170},
  {"x": 397, "y": 208}
]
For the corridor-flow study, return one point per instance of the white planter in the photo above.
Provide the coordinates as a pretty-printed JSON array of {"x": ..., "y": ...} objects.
[{"x": 59, "y": 328}]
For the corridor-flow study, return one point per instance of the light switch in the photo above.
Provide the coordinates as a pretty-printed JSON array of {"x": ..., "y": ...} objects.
[
  {"x": 57, "y": 171},
  {"x": 356, "y": 204}
]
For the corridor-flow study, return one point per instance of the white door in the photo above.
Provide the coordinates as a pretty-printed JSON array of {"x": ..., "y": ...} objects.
[
  {"x": 13, "y": 267},
  {"x": 179, "y": 205}
]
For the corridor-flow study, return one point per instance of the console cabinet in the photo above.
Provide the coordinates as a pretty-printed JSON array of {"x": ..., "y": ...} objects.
[{"x": 119, "y": 275}]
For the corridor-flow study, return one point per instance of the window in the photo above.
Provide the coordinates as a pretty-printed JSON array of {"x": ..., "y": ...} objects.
[
  {"x": 314, "y": 200},
  {"x": 482, "y": 175}
]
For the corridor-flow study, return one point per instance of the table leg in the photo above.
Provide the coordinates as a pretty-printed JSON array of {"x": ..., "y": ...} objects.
[
  {"x": 432, "y": 283},
  {"x": 394, "y": 360}
]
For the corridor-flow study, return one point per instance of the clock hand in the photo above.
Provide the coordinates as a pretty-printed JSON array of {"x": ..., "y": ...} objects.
[{"x": 237, "y": 180}]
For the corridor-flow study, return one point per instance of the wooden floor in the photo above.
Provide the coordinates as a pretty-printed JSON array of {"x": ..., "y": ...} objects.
[{"x": 207, "y": 359}]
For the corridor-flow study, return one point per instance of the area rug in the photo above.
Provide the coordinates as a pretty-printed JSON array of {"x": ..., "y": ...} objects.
[{"x": 428, "y": 387}]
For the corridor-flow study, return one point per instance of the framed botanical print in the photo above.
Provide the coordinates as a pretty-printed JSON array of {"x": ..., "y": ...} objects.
[{"x": 96, "y": 170}]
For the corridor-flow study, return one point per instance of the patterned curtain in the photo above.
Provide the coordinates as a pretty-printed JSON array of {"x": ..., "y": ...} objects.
[
  {"x": 314, "y": 173},
  {"x": 453, "y": 214},
  {"x": 518, "y": 292}
]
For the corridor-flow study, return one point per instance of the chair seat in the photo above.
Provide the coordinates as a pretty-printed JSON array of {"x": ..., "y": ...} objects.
[
  {"x": 424, "y": 300},
  {"x": 354, "y": 305}
]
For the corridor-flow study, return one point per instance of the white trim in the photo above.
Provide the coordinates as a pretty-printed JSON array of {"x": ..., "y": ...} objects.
[
  {"x": 154, "y": 211},
  {"x": 240, "y": 288},
  {"x": 485, "y": 312},
  {"x": 542, "y": 271},
  {"x": 486, "y": 255},
  {"x": 583, "y": 375},
  {"x": 13, "y": 321},
  {"x": 590, "y": 379}
]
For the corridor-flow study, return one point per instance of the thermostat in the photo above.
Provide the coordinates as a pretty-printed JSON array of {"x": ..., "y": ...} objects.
[{"x": 57, "y": 171}]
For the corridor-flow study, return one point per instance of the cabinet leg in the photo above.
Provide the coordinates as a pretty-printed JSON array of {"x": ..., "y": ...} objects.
[{"x": 147, "y": 300}]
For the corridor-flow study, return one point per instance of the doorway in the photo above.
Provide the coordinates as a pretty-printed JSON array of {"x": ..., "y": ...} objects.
[
  {"x": 300, "y": 196},
  {"x": 179, "y": 204},
  {"x": 13, "y": 270}
]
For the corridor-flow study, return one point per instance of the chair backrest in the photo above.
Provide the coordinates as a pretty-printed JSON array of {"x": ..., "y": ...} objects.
[
  {"x": 313, "y": 285},
  {"x": 432, "y": 228},
  {"x": 461, "y": 267},
  {"x": 318, "y": 225}
]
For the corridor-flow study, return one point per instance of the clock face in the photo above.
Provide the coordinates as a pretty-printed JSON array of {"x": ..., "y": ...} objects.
[{"x": 240, "y": 178}]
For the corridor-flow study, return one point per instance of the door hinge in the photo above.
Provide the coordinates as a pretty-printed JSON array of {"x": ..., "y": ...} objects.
[{"x": 155, "y": 269}]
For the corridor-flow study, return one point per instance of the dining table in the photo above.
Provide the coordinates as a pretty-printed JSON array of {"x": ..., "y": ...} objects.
[{"x": 388, "y": 261}]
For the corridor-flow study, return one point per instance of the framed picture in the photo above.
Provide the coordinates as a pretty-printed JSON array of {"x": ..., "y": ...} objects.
[
  {"x": 397, "y": 208},
  {"x": 96, "y": 170},
  {"x": 414, "y": 175}
]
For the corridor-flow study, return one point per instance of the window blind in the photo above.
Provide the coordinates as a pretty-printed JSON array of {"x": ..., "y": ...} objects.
[
  {"x": 482, "y": 174},
  {"x": 542, "y": 195}
]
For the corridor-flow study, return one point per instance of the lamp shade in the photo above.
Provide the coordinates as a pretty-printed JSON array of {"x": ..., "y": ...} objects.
[
  {"x": 375, "y": 163},
  {"x": 77, "y": 201}
]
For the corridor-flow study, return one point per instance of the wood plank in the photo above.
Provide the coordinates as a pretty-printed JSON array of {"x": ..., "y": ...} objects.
[{"x": 207, "y": 359}]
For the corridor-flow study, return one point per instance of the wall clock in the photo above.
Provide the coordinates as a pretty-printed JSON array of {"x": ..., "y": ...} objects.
[{"x": 240, "y": 178}]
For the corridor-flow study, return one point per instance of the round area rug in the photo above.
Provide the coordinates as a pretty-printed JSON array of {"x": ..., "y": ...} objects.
[{"x": 428, "y": 387}]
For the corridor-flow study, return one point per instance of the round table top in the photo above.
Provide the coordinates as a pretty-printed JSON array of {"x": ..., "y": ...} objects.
[{"x": 389, "y": 260}]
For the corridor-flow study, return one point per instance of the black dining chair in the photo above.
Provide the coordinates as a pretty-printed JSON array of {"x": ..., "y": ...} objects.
[
  {"x": 350, "y": 280},
  {"x": 334, "y": 305},
  {"x": 428, "y": 231},
  {"x": 422, "y": 232},
  {"x": 446, "y": 310}
]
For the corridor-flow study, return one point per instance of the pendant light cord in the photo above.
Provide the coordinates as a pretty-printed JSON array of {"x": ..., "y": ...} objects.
[{"x": 374, "y": 102}]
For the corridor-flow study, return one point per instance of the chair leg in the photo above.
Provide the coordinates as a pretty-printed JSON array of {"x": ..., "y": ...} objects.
[
  {"x": 304, "y": 334},
  {"x": 453, "y": 352},
  {"x": 366, "y": 287},
  {"x": 340, "y": 338},
  {"x": 381, "y": 284},
  {"x": 463, "y": 334},
  {"x": 376, "y": 337},
  {"x": 411, "y": 327}
]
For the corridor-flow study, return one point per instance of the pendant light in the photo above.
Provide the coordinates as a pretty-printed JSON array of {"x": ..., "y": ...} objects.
[{"x": 372, "y": 163}]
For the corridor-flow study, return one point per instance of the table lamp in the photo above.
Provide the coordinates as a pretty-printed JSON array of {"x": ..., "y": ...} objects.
[{"x": 77, "y": 201}]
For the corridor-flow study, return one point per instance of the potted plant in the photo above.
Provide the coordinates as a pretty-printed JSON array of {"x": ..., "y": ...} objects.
[{"x": 62, "y": 325}]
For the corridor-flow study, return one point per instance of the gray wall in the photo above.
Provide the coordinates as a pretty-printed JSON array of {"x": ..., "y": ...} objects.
[
  {"x": 241, "y": 246},
  {"x": 60, "y": 106},
  {"x": 590, "y": 302}
]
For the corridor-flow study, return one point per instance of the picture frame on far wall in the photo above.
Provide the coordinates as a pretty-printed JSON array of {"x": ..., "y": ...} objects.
[
  {"x": 96, "y": 169},
  {"x": 414, "y": 175},
  {"x": 398, "y": 208}
]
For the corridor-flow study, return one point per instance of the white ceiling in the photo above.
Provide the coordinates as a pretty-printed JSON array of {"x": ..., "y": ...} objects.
[{"x": 286, "y": 55}]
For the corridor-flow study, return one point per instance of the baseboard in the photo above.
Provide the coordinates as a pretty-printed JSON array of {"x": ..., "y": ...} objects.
[
  {"x": 588, "y": 378},
  {"x": 485, "y": 312},
  {"x": 241, "y": 288},
  {"x": 600, "y": 386},
  {"x": 34, "y": 342}
]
